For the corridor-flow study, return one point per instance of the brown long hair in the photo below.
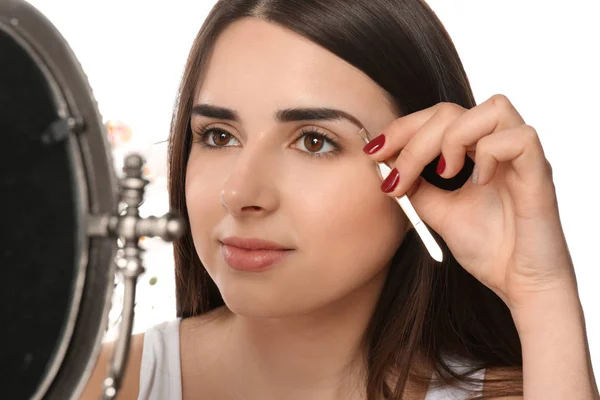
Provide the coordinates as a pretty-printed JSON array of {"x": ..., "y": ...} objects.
[{"x": 425, "y": 309}]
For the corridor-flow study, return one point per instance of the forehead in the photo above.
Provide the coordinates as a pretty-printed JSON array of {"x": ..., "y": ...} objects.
[{"x": 257, "y": 66}]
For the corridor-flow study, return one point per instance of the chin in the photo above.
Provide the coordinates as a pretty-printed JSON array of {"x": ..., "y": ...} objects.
[
  {"x": 252, "y": 304},
  {"x": 255, "y": 298},
  {"x": 250, "y": 308}
]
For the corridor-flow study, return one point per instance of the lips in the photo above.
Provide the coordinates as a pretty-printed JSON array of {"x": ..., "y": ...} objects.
[
  {"x": 253, "y": 244},
  {"x": 251, "y": 254}
]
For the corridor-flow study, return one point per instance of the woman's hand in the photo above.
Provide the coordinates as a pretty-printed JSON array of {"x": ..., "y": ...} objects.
[{"x": 505, "y": 230}]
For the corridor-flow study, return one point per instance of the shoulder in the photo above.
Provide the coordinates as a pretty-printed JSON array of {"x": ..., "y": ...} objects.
[
  {"x": 130, "y": 385},
  {"x": 160, "y": 372},
  {"x": 502, "y": 380},
  {"x": 203, "y": 339},
  {"x": 501, "y": 383},
  {"x": 202, "y": 334}
]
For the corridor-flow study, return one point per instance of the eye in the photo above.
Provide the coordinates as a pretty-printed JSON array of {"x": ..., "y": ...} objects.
[
  {"x": 317, "y": 143},
  {"x": 215, "y": 138},
  {"x": 312, "y": 142}
]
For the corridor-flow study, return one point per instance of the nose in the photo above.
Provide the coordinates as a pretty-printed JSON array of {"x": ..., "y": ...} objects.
[{"x": 251, "y": 188}]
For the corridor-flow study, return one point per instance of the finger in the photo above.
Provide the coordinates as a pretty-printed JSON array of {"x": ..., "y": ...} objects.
[
  {"x": 495, "y": 114},
  {"x": 421, "y": 149},
  {"x": 401, "y": 130},
  {"x": 521, "y": 147},
  {"x": 431, "y": 203}
]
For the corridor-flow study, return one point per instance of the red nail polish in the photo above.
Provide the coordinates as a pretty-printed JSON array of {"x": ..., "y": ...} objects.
[
  {"x": 441, "y": 166},
  {"x": 391, "y": 182},
  {"x": 374, "y": 145}
]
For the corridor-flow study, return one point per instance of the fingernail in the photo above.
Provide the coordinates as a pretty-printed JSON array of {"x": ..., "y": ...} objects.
[
  {"x": 390, "y": 183},
  {"x": 374, "y": 145},
  {"x": 441, "y": 166}
]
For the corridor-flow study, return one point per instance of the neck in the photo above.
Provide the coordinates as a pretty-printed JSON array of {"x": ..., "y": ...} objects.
[{"x": 318, "y": 355}]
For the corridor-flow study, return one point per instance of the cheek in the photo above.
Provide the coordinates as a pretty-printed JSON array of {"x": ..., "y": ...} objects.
[
  {"x": 345, "y": 228},
  {"x": 202, "y": 191},
  {"x": 351, "y": 230}
]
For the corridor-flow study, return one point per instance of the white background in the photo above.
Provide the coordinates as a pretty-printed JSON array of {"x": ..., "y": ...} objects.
[{"x": 542, "y": 54}]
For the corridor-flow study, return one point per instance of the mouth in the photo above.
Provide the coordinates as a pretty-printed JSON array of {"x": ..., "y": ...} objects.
[
  {"x": 252, "y": 254},
  {"x": 253, "y": 243}
]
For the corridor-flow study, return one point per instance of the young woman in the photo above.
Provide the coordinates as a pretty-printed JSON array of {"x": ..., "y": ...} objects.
[{"x": 300, "y": 277}]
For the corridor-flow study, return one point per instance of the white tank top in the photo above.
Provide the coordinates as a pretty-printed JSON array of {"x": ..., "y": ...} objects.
[{"x": 160, "y": 373}]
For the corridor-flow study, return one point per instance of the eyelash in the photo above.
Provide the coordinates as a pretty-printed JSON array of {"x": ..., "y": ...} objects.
[{"x": 203, "y": 135}]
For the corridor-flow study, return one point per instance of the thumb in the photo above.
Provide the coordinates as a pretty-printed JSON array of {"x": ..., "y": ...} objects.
[{"x": 430, "y": 202}]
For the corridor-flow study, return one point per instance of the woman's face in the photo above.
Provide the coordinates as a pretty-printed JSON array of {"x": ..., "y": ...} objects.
[{"x": 266, "y": 174}]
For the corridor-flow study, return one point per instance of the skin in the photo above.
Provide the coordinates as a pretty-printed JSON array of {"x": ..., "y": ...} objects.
[
  {"x": 311, "y": 309},
  {"x": 301, "y": 334},
  {"x": 294, "y": 331},
  {"x": 504, "y": 228}
]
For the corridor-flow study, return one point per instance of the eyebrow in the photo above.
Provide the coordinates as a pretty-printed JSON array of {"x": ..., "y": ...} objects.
[{"x": 284, "y": 115}]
